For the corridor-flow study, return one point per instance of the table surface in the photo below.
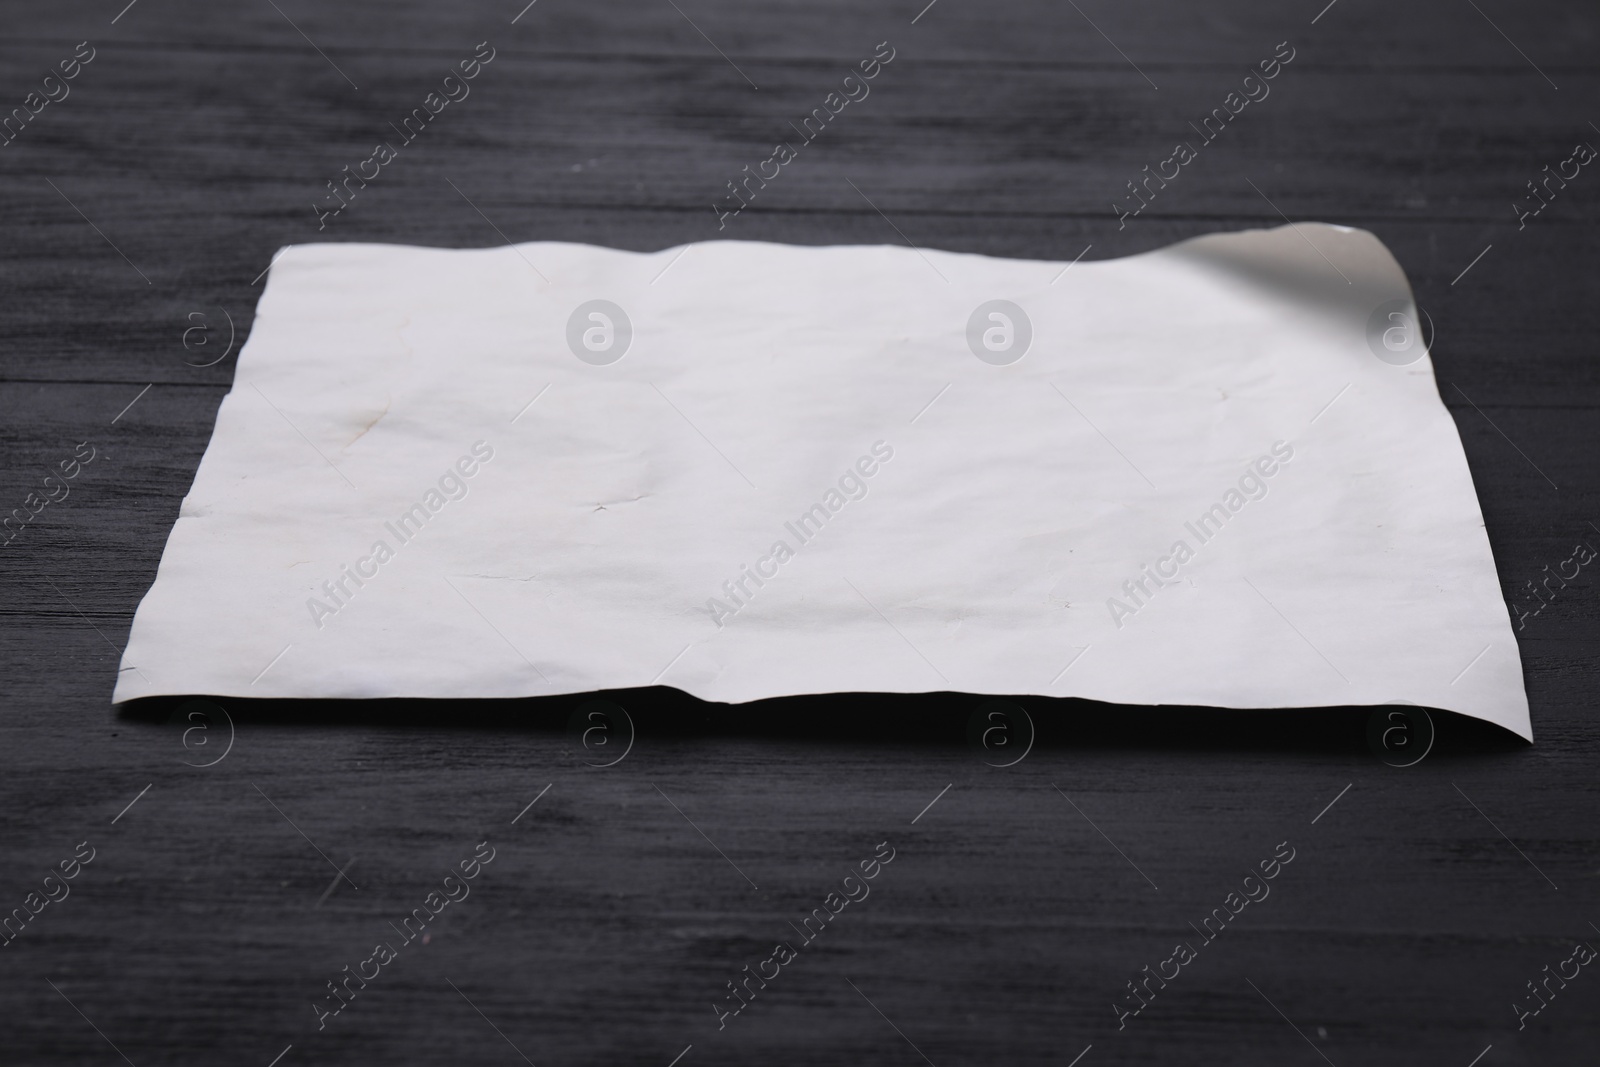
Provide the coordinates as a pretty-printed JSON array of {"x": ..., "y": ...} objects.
[{"x": 1021, "y": 900}]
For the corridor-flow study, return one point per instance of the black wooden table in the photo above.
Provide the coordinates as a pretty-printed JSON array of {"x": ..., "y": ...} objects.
[{"x": 143, "y": 196}]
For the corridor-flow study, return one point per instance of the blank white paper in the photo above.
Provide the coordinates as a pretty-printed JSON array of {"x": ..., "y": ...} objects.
[{"x": 751, "y": 470}]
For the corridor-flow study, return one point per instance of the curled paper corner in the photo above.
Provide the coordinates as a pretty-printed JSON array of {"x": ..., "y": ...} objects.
[{"x": 1222, "y": 465}]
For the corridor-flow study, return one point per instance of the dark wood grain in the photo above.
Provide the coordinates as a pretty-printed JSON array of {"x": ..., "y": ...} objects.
[{"x": 1417, "y": 906}]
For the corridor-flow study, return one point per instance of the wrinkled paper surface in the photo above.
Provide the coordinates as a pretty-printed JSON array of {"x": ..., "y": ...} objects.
[{"x": 417, "y": 488}]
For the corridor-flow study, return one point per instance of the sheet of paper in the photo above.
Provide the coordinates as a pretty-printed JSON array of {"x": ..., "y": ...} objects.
[{"x": 1215, "y": 474}]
